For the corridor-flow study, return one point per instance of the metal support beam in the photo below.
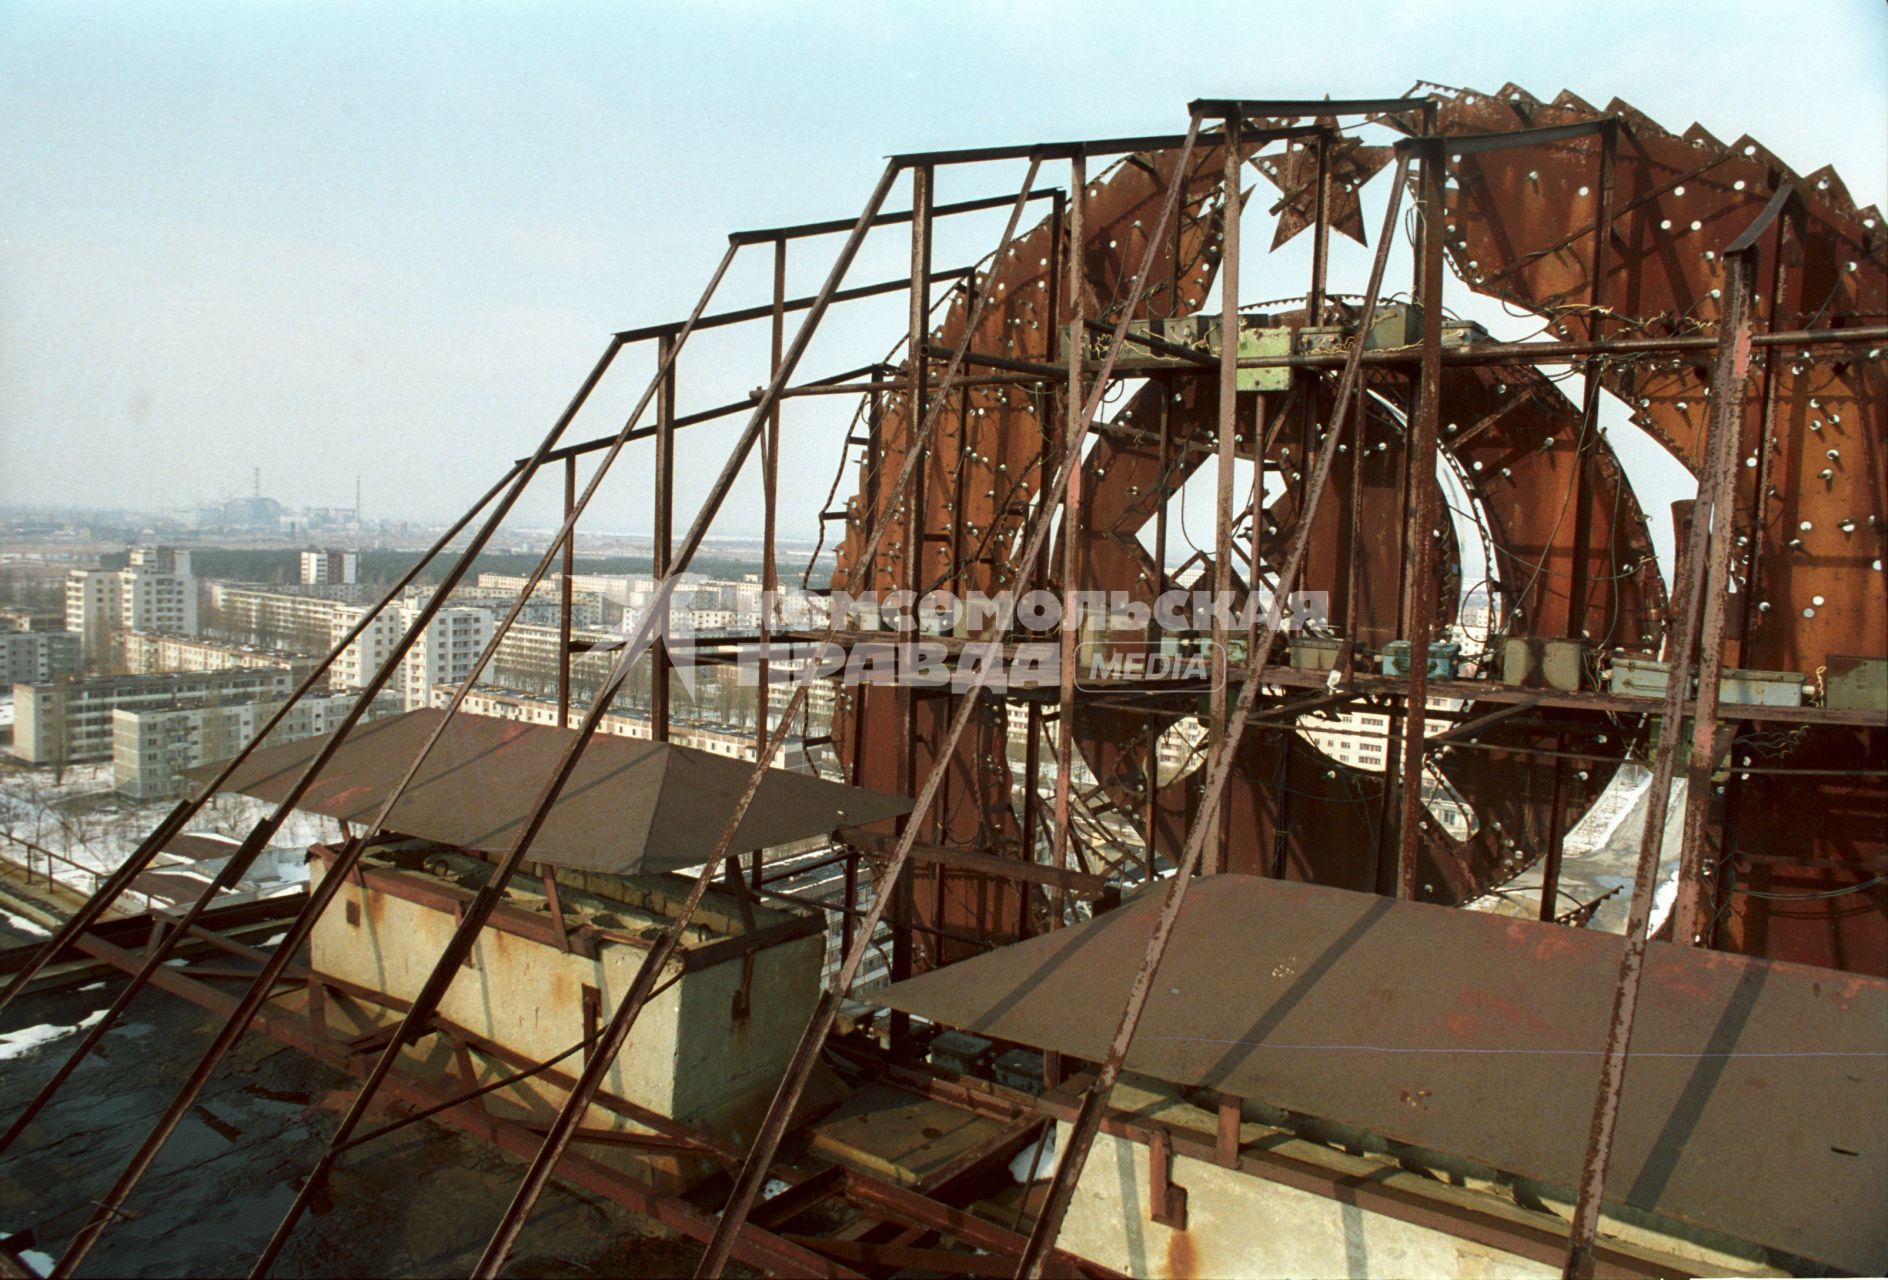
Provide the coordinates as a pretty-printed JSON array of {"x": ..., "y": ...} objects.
[
  {"x": 1698, "y": 601},
  {"x": 1228, "y": 429},
  {"x": 558, "y": 1139},
  {"x": 826, "y": 1012},
  {"x": 1424, "y": 499},
  {"x": 1094, "y": 1101},
  {"x": 1073, "y": 430}
]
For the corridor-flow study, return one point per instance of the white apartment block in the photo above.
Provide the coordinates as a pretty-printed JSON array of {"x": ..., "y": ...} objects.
[
  {"x": 330, "y": 568},
  {"x": 71, "y": 723},
  {"x": 154, "y": 592},
  {"x": 444, "y": 652},
  {"x": 151, "y": 749},
  {"x": 355, "y": 665},
  {"x": 735, "y": 744},
  {"x": 1360, "y": 739},
  {"x": 35, "y": 657},
  {"x": 148, "y": 653},
  {"x": 257, "y": 615}
]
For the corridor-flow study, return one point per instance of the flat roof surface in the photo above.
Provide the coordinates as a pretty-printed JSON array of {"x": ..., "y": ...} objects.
[
  {"x": 1756, "y": 1095},
  {"x": 630, "y": 806}
]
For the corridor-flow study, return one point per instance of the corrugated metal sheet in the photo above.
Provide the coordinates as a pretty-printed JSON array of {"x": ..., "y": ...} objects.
[
  {"x": 631, "y": 805},
  {"x": 1756, "y": 1099}
]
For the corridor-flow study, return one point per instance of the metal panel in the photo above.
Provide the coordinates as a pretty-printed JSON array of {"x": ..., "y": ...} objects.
[
  {"x": 1756, "y": 1102},
  {"x": 631, "y": 805}
]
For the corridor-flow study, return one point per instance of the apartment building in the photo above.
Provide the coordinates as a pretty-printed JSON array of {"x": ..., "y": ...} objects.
[
  {"x": 71, "y": 722},
  {"x": 154, "y": 592},
  {"x": 330, "y": 568},
  {"x": 35, "y": 657},
  {"x": 142, "y": 653},
  {"x": 444, "y": 652},
  {"x": 152, "y": 748},
  {"x": 721, "y": 740}
]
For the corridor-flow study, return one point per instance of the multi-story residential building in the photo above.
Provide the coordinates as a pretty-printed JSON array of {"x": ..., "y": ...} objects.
[
  {"x": 330, "y": 568},
  {"x": 1360, "y": 739},
  {"x": 144, "y": 653},
  {"x": 152, "y": 748},
  {"x": 35, "y": 657},
  {"x": 443, "y": 653},
  {"x": 154, "y": 592},
  {"x": 276, "y": 619},
  {"x": 70, "y": 722},
  {"x": 721, "y": 740},
  {"x": 19, "y": 618},
  {"x": 527, "y": 658},
  {"x": 355, "y": 665}
]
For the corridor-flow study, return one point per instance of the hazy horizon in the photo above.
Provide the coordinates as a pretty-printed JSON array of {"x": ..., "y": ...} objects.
[{"x": 340, "y": 241}]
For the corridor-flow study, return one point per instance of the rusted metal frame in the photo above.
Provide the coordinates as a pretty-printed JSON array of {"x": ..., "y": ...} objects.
[
  {"x": 1710, "y": 739},
  {"x": 1158, "y": 345},
  {"x": 1472, "y": 144},
  {"x": 743, "y": 405},
  {"x": 465, "y": 935},
  {"x": 1638, "y": 202},
  {"x": 563, "y": 592},
  {"x": 1166, "y": 1199},
  {"x": 462, "y": 1036},
  {"x": 1481, "y": 722},
  {"x": 770, "y": 480},
  {"x": 1228, "y": 428},
  {"x": 850, "y": 913},
  {"x": 512, "y": 486},
  {"x": 556, "y": 905},
  {"x": 1701, "y": 591},
  {"x": 1321, "y": 230},
  {"x": 1423, "y": 497},
  {"x": 786, "y": 1098},
  {"x": 1059, "y": 878},
  {"x": 829, "y": 388},
  {"x": 1766, "y": 446},
  {"x": 1243, "y": 108},
  {"x": 114, "y": 884},
  {"x": 864, "y": 1253},
  {"x": 663, "y": 540},
  {"x": 849, "y": 887},
  {"x": 157, "y": 953},
  {"x": 551, "y": 1151},
  {"x": 917, "y": 389},
  {"x": 959, "y": 1224},
  {"x": 784, "y": 1206},
  {"x": 758, "y": 1248},
  {"x": 1032, "y": 798},
  {"x": 1094, "y": 1100},
  {"x": 723, "y": 319},
  {"x": 1151, "y": 815},
  {"x": 1073, "y": 430},
  {"x": 1493, "y": 353},
  {"x": 475, "y": 1091},
  {"x": 1371, "y": 1194},
  {"x": 777, "y": 235},
  {"x": 107, "y": 1208},
  {"x": 1040, "y": 151},
  {"x": 1577, "y": 587},
  {"x": 1556, "y": 839}
]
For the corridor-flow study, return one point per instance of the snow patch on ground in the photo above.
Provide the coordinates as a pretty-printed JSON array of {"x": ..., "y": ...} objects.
[
  {"x": 17, "y": 1044},
  {"x": 28, "y": 927},
  {"x": 1039, "y": 1156}
]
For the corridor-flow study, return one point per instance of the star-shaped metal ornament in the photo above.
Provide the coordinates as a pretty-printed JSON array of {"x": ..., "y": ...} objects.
[{"x": 1294, "y": 171}]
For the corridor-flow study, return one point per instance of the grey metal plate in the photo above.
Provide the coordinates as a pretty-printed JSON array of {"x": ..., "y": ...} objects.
[
  {"x": 1756, "y": 1096},
  {"x": 630, "y": 806}
]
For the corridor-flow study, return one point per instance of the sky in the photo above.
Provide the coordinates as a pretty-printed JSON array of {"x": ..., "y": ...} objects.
[{"x": 387, "y": 242}]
